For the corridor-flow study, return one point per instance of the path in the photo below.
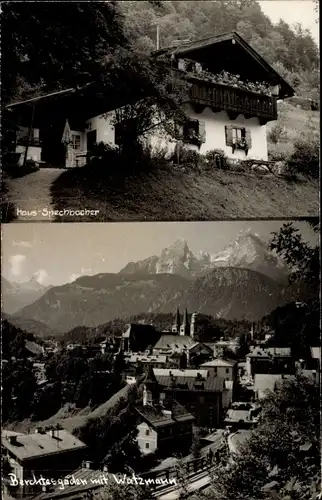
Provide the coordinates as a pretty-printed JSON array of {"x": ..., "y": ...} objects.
[{"x": 31, "y": 195}]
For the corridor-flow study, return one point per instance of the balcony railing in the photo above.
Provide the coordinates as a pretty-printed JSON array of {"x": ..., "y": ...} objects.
[{"x": 233, "y": 100}]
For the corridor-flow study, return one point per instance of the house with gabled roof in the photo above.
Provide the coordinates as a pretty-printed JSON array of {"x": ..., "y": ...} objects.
[
  {"x": 224, "y": 368},
  {"x": 233, "y": 94},
  {"x": 163, "y": 423},
  {"x": 50, "y": 454}
]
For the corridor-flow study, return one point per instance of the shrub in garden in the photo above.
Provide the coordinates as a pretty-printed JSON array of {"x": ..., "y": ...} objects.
[
  {"x": 216, "y": 158},
  {"x": 305, "y": 157},
  {"x": 277, "y": 133}
]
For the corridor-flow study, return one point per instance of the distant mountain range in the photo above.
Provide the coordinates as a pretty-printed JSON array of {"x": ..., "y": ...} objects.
[
  {"x": 228, "y": 293},
  {"x": 248, "y": 251},
  {"x": 15, "y": 296},
  {"x": 244, "y": 281}
]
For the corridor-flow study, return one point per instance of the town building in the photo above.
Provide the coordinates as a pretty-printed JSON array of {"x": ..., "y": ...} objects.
[
  {"x": 224, "y": 368},
  {"x": 163, "y": 423},
  {"x": 233, "y": 94},
  {"x": 138, "y": 337},
  {"x": 269, "y": 360},
  {"x": 48, "y": 453},
  {"x": 206, "y": 398},
  {"x": 264, "y": 382}
]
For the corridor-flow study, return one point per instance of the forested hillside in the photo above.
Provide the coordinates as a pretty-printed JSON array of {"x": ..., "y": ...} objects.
[{"x": 291, "y": 50}]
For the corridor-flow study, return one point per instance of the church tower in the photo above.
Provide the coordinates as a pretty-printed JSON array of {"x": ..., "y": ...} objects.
[
  {"x": 151, "y": 390},
  {"x": 176, "y": 324},
  {"x": 193, "y": 326},
  {"x": 185, "y": 327}
]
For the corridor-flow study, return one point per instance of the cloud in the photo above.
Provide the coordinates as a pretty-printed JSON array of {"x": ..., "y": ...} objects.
[
  {"x": 23, "y": 244},
  {"x": 17, "y": 263},
  {"x": 74, "y": 277},
  {"x": 86, "y": 270},
  {"x": 41, "y": 276}
]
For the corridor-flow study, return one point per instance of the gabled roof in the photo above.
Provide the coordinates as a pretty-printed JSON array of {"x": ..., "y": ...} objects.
[
  {"x": 156, "y": 415},
  {"x": 186, "y": 49},
  {"x": 174, "y": 342},
  {"x": 210, "y": 384},
  {"x": 219, "y": 362},
  {"x": 138, "y": 329},
  {"x": 176, "y": 372},
  {"x": 258, "y": 352}
]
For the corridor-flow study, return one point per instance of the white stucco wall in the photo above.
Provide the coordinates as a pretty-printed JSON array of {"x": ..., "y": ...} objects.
[
  {"x": 103, "y": 126},
  {"x": 33, "y": 153},
  {"x": 215, "y": 133},
  {"x": 142, "y": 438},
  {"x": 216, "y": 137}
]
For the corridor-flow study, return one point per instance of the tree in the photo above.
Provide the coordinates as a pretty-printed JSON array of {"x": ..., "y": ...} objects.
[
  {"x": 115, "y": 491},
  {"x": 47, "y": 47},
  {"x": 289, "y": 418}
]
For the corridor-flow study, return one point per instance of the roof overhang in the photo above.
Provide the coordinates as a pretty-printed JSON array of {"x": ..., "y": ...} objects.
[{"x": 232, "y": 50}]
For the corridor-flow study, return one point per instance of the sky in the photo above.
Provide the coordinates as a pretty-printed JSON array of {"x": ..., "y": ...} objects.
[
  {"x": 59, "y": 253},
  {"x": 293, "y": 11}
]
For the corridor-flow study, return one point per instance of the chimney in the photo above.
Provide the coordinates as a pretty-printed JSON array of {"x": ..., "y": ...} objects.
[
  {"x": 52, "y": 433},
  {"x": 105, "y": 468},
  {"x": 45, "y": 488},
  {"x": 13, "y": 440},
  {"x": 88, "y": 464}
]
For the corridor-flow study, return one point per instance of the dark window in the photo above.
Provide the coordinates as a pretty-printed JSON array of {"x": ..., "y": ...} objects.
[
  {"x": 147, "y": 432},
  {"x": 227, "y": 370},
  {"x": 194, "y": 132},
  {"x": 147, "y": 445},
  {"x": 91, "y": 139}
]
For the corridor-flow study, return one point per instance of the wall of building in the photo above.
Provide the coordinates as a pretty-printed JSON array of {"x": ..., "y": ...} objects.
[
  {"x": 143, "y": 438},
  {"x": 33, "y": 153},
  {"x": 215, "y": 133},
  {"x": 103, "y": 125},
  {"x": 216, "y": 136}
]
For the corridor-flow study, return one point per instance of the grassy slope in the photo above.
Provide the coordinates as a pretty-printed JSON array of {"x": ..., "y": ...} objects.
[
  {"x": 178, "y": 194},
  {"x": 71, "y": 419},
  {"x": 297, "y": 122},
  {"x": 172, "y": 194}
]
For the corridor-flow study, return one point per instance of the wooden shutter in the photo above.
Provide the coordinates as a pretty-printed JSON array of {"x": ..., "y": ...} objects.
[
  {"x": 202, "y": 131},
  {"x": 229, "y": 135},
  {"x": 248, "y": 138}
]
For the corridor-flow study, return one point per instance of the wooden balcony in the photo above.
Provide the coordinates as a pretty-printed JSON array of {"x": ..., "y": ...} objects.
[{"x": 233, "y": 100}]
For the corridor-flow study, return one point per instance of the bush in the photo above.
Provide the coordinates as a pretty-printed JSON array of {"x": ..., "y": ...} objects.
[
  {"x": 277, "y": 133},
  {"x": 103, "y": 155},
  {"x": 305, "y": 157},
  {"x": 187, "y": 157},
  {"x": 216, "y": 158}
]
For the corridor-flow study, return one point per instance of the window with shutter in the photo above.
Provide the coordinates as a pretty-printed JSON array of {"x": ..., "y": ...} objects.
[
  {"x": 248, "y": 138},
  {"x": 229, "y": 135}
]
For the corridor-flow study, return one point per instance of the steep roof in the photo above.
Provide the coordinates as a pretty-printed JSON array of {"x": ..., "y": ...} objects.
[
  {"x": 30, "y": 446},
  {"x": 174, "y": 342},
  {"x": 150, "y": 377},
  {"x": 221, "y": 44},
  {"x": 258, "y": 352},
  {"x": 219, "y": 362},
  {"x": 138, "y": 329},
  {"x": 210, "y": 384},
  {"x": 176, "y": 372},
  {"x": 157, "y": 415}
]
